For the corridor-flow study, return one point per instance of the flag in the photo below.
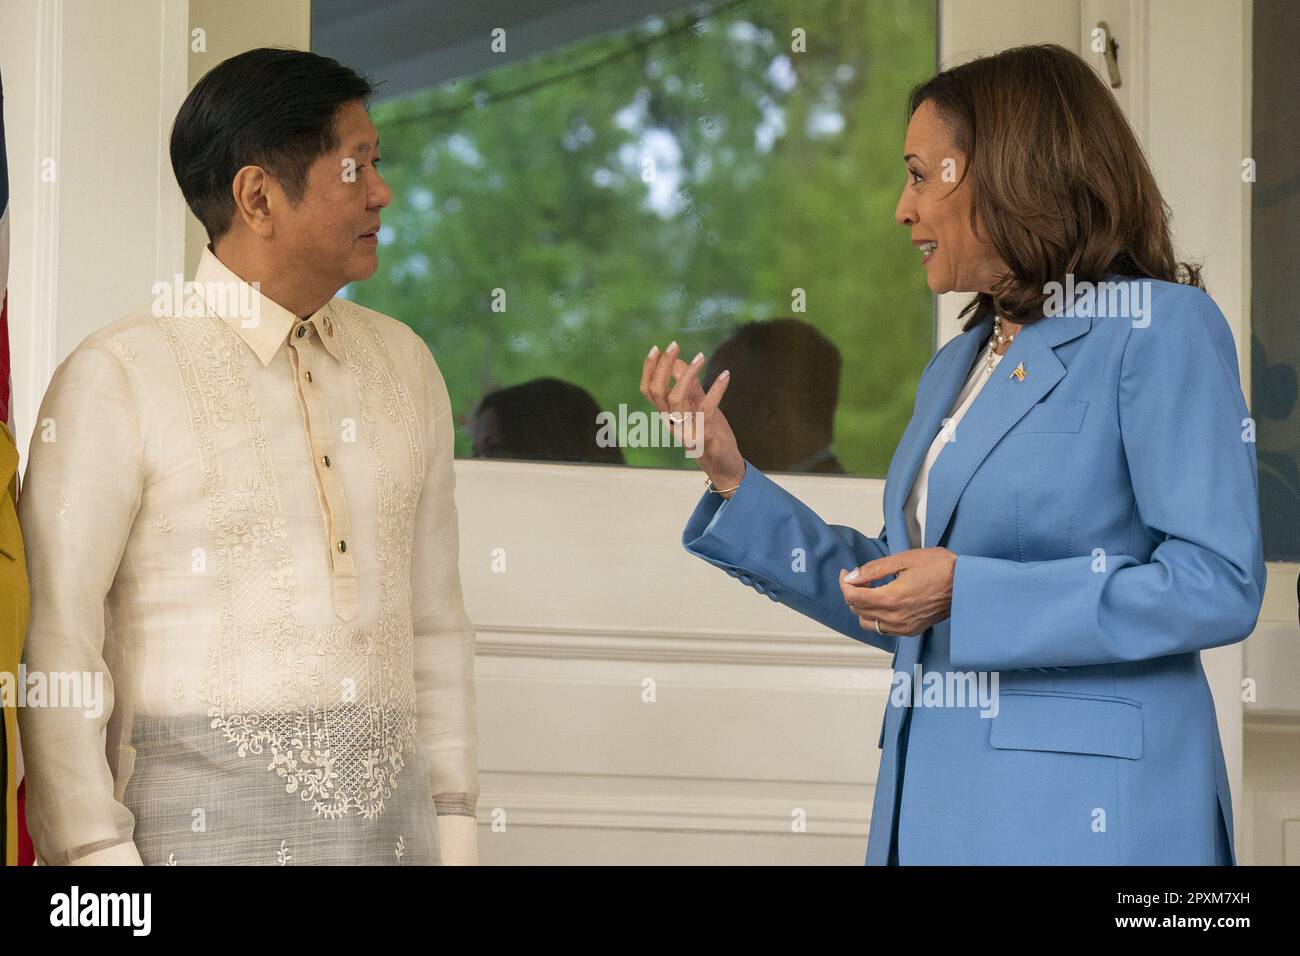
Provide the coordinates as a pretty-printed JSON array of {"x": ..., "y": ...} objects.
[
  {"x": 6, "y": 390},
  {"x": 25, "y": 855}
]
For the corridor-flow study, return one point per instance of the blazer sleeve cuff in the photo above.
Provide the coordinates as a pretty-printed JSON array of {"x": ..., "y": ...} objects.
[
  {"x": 708, "y": 533},
  {"x": 974, "y": 584},
  {"x": 1012, "y": 615}
]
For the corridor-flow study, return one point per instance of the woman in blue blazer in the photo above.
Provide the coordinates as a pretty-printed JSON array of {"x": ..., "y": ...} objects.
[{"x": 1086, "y": 528}]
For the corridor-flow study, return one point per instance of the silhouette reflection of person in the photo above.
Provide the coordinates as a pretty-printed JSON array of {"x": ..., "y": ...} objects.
[
  {"x": 543, "y": 420},
  {"x": 785, "y": 386}
]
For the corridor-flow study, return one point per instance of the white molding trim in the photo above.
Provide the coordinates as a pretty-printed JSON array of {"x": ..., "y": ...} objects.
[
  {"x": 747, "y": 648},
  {"x": 568, "y": 807}
]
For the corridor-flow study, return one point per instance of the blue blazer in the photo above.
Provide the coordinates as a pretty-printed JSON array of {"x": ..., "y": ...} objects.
[{"x": 1104, "y": 510}]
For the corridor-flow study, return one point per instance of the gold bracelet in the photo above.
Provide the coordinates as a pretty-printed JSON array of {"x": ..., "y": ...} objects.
[{"x": 708, "y": 484}]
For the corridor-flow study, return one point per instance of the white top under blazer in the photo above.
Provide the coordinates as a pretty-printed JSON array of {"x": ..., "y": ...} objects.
[{"x": 914, "y": 512}]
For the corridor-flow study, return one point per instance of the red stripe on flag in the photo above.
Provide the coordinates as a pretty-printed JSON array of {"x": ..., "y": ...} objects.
[
  {"x": 5, "y": 383},
  {"x": 26, "y": 853}
]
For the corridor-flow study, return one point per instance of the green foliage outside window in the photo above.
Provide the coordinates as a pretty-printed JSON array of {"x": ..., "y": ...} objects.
[{"x": 668, "y": 182}]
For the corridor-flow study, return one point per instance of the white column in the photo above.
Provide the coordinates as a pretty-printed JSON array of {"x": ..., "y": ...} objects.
[{"x": 96, "y": 217}]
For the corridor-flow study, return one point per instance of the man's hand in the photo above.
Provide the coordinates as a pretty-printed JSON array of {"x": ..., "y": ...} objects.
[
  {"x": 919, "y": 597},
  {"x": 458, "y": 839}
]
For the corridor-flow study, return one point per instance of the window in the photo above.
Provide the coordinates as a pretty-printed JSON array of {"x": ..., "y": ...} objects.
[
  {"x": 724, "y": 176},
  {"x": 1275, "y": 281}
]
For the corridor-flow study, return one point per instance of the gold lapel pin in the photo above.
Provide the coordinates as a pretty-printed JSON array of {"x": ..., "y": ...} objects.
[{"x": 1018, "y": 373}]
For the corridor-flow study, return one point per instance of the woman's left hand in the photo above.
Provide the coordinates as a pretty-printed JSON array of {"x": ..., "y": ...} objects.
[{"x": 918, "y": 598}]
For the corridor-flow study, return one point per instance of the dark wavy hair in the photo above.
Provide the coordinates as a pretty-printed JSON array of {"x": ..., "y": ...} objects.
[{"x": 1059, "y": 181}]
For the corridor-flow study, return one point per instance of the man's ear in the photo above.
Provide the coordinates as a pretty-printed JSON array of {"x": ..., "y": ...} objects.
[{"x": 252, "y": 188}]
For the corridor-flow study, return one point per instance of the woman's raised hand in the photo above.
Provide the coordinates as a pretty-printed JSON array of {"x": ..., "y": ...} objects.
[{"x": 673, "y": 387}]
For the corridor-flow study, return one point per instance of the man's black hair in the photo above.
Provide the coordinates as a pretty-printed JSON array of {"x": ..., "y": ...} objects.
[{"x": 269, "y": 108}]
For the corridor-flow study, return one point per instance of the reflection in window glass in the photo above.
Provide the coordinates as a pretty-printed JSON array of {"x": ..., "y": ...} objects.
[
  {"x": 1275, "y": 280},
  {"x": 726, "y": 179}
]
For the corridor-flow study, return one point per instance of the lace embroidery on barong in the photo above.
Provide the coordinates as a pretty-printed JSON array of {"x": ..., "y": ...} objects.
[{"x": 331, "y": 710}]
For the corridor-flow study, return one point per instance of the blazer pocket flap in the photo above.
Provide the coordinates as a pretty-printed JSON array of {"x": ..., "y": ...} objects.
[
  {"x": 1052, "y": 417},
  {"x": 1068, "y": 723}
]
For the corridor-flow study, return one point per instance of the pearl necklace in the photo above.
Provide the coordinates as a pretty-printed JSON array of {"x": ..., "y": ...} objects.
[{"x": 994, "y": 341}]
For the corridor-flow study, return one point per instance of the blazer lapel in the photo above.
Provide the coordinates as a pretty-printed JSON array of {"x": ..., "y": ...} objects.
[
  {"x": 1001, "y": 403},
  {"x": 931, "y": 410}
]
